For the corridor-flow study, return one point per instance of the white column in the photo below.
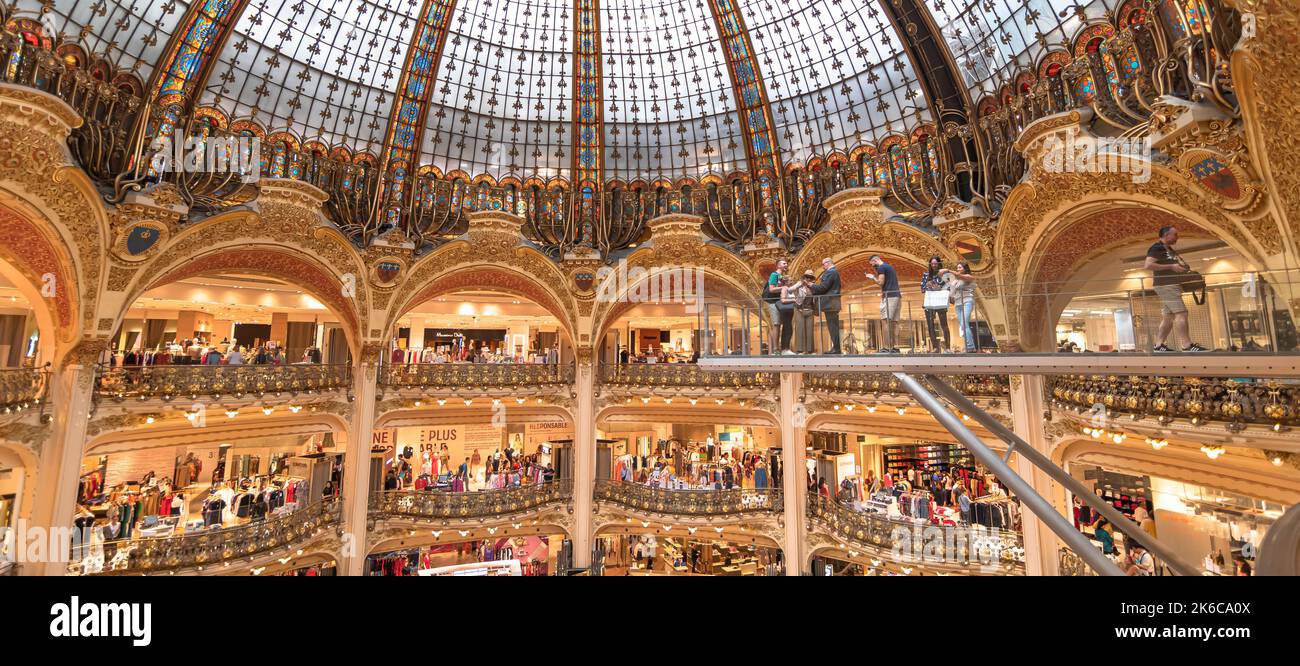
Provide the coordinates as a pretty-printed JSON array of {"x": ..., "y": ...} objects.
[
  {"x": 70, "y": 396},
  {"x": 794, "y": 487},
  {"x": 356, "y": 466},
  {"x": 1027, "y": 408},
  {"x": 584, "y": 461}
]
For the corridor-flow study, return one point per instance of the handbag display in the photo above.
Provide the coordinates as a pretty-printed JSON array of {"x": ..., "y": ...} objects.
[{"x": 936, "y": 300}]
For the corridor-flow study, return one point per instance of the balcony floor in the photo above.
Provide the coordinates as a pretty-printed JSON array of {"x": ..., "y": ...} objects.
[{"x": 1205, "y": 364}]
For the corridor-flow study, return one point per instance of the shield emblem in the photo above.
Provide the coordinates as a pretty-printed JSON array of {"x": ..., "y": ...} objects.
[
  {"x": 141, "y": 239},
  {"x": 1214, "y": 174},
  {"x": 584, "y": 280},
  {"x": 387, "y": 271},
  {"x": 970, "y": 250}
]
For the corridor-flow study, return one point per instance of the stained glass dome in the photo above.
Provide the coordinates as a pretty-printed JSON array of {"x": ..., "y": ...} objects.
[{"x": 613, "y": 89}]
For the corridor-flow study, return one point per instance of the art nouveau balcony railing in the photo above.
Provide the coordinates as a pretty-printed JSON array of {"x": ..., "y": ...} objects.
[
  {"x": 434, "y": 505},
  {"x": 21, "y": 388},
  {"x": 682, "y": 376},
  {"x": 1229, "y": 401},
  {"x": 974, "y": 386},
  {"x": 481, "y": 376},
  {"x": 691, "y": 503},
  {"x": 991, "y": 550},
  {"x": 212, "y": 547},
  {"x": 192, "y": 381},
  {"x": 1068, "y": 563}
]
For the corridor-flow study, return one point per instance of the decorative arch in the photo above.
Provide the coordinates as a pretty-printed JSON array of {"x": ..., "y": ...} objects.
[
  {"x": 115, "y": 434},
  {"x": 1235, "y": 472},
  {"x": 34, "y": 264},
  {"x": 421, "y": 287},
  {"x": 21, "y": 458},
  {"x": 739, "y": 285},
  {"x": 389, "y": 414},
  {"x": 702, "y": 413},
  {"x": 858, "y": 243},
  {"x": 281, "y": 262},
  {"x": 1039, "y": 209}
]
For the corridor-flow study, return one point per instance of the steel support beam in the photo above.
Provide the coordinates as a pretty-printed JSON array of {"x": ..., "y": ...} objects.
[
  {"x": 1022, "y": 489},
  {"x": 1121, "y": 522}
]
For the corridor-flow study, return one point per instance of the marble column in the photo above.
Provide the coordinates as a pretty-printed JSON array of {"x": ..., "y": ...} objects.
[
  {"x": 356, "y": 465},
  {"x": 584, "y": 461},
  {"x": 1027, "y": 407},
  {"x": 70, "y": 399},
  {"x": 794, "y": 472}
]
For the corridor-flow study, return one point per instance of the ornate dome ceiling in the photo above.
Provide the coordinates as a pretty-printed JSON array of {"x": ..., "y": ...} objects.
[{"x": 609, "y": 89}]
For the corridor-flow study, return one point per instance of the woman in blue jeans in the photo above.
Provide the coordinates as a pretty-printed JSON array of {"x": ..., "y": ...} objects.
[{"x": 962, "y": 285}]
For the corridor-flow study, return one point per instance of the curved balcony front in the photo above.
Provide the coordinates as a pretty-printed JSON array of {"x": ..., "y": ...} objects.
[
  {"x": 473, "y": 379},
  {"x": 683, "y": 378},
  {"x": 448, "y": 508},
  {"x": 969, "y": 549},
  {"x": 151, "y": 383},
  {"x": 22, "y": 388},
  {"x": 691, "y": 504},
  {"x": 1233, "y": 403},
  {"x": 216, "y": 550}
]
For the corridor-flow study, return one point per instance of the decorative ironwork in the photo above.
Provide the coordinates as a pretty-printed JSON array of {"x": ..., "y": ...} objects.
[
  {"x": 457, "y": 506},
  {"x": 970, "y": 385},
  {"x": 755, "y": 116},
  {"x": 171, "y": 381},
  {"x": 407, "y": 121},
  {"x": 1166, "y": 398},
  {"x": 690, "y": 503},
  {"x": 588, "y": 128},
  {"x": 1070, "y": 564},
  {"x": 22, "y": 388},
  {"x": 682, "y": 375},
  {"x": 214, "y": 547},
  {"x": 975, "y": 546},
  {"x": 475, "y": 375}
]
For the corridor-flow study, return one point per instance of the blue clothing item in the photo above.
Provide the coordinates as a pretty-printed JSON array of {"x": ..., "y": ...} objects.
[
  {"x": 1107, "y": 541},
  {"x": 760, "y": 478},
  {"x": 965, "y": 325},
  {"x": 889, "y": 287},
  {"x": 964, "y": 503}
]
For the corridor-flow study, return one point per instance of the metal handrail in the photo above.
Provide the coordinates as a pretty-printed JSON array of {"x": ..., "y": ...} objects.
[
  {"x": 216, "y": 546},
  {"x": 475, "y": 375},
  {"x": 682, "y": 375},
  {"x": 946, "y": 544},
  {"x": 473, "y": 504},
  {"x": 170, "y": 381},
  {"x": 21, "y": 388},
  {"x": 698, "y": 502}
]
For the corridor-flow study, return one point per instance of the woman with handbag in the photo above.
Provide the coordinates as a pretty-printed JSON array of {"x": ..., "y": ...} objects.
[
  {"x": 785, "y": 309},
  {"x": 805, "y": 311},
  {"x": 961, "y": 284},
  {"x": 934, "y": 287}
]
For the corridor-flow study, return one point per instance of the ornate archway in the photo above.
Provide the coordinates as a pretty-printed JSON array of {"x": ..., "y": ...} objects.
[{"x": 285, "y": 263}]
